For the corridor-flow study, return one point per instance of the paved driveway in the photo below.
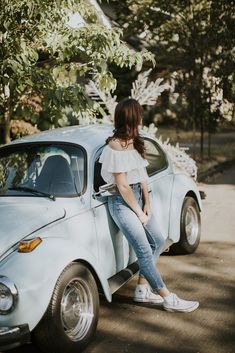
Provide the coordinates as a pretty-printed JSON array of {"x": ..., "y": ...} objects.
[{"x": 207, "y": 276}]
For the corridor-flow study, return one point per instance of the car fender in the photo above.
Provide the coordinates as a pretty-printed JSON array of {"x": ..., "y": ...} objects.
[
  {"x": 35, "y": 286},
  {"x": 182, "y": 187}
]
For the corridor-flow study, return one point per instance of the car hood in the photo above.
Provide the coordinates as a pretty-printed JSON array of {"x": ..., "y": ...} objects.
[{"x": 20, "y": 217}]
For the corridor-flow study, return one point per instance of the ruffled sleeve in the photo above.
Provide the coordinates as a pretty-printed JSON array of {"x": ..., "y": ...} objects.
[{"x": 115, "y": 161}]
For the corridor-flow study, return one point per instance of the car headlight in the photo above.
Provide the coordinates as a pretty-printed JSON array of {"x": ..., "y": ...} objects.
[{"x": 8, "y": 295}]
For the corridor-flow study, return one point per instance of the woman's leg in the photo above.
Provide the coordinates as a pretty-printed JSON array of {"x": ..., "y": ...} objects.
[
  {"x": 155, "y": 237},
  {"x": 132, "y": 228},
  {"x": 156, "y": 241}
]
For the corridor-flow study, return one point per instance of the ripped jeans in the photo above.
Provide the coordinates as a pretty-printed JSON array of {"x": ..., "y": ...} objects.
[{"x": 146, "y": 240}]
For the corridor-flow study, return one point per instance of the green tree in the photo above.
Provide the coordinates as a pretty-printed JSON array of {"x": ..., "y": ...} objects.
[
  {"x": 41, "y": 58},
  {"x": 193, "y": 41}
]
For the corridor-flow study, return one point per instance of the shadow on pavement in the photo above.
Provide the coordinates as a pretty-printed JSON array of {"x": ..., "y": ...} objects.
[{"x": 208, "y": 276}]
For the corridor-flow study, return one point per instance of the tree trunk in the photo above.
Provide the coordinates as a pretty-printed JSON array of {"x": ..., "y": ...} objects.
[
  {"x": 209, "y": 144},
  {"x": 201, "y": 112},
  {"x": 194, "y": 130},
  {"x": 209, "y": 136},
  {"x": 201, "y": 138},
  {"x": 194, "y": 139},
  {"x": 7, "y": 114},
  {"x": 6, "y": 127}
]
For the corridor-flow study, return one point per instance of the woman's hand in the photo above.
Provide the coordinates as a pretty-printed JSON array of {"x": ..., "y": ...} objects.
[
  {"x": 143, "y": 218},
  {"x": 147, "y": 209},
  {"x": 128, "y": 196},
  {"x": 146, "y": 201},
  {"x": 146, "y": 213}
]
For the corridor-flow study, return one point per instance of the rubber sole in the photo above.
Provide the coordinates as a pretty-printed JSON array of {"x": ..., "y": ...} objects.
[
  {"x": 189, "y": 310},
  {"x": 147, "y": 301}
]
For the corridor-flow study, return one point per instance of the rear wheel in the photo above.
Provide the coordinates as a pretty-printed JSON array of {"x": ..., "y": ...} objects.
[
  {"x": 71, "y": 317},
  {"x": 190, "y": 228}
]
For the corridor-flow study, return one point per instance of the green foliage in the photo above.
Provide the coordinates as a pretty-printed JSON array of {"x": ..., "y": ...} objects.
[
  {"x": 41, "y": 56},
  {"x": 193, "y": 42}
]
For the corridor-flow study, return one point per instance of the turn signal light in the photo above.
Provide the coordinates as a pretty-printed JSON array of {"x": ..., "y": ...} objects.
[{"x": 29, "y": 245}]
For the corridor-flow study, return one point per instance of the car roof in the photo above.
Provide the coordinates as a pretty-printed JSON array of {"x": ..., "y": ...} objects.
[{"x": 89, "y": 136}]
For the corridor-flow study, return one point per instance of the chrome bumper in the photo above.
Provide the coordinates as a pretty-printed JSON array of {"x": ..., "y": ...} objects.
[{"x": 14, "y": 336}]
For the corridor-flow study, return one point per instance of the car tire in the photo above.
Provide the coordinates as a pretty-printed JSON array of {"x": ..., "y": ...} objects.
[
  {"x": 71, "y": 318},
  {"x": 190, "y": 228}
]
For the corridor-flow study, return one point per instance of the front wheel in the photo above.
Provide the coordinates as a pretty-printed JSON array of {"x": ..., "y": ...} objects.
[
  {"x": 71, "y": 317},
  {"x": 190, "y": 228}
]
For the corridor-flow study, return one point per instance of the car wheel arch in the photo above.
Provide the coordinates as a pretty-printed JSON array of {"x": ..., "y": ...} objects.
[
  {"x": 94, "y": 274},
  {"x": 75, "y": 293},
  {"x": 175, "y": 212},
  {"x": 192, "y": 194},
  {"x": 185, "y": 245},
  {"x": 49, "y": 258},
  {"x": 102, "y": 283}
]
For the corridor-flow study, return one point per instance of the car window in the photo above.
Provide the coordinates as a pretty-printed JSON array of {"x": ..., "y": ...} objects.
[
  {"x": 98, "y": 180},
  {"x": 55, "y": 169},
  {"x": 155, "y": 156}
]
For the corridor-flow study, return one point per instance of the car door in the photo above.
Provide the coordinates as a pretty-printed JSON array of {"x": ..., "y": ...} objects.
[
  {"x": 160, "y": 183},
  {"x": 114, "y": 251}
]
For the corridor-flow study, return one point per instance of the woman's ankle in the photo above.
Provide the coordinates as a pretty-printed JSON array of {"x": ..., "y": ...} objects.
[
  {"x": 142, "y": 280},
  {"x": 163, "y": 292}
]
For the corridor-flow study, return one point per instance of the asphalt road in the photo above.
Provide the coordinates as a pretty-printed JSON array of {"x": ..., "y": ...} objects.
[{"x": 207, "y": 276}]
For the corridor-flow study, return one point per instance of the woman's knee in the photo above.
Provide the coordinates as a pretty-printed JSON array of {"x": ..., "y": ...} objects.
[
  {"x": 161, "y": 241},
  {"x": 158, "y": 242},
  {"x": 144, "y": 252}
]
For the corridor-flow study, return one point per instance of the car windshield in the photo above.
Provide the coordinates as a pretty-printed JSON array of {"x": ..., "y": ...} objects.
[{"x": 45, "y": 170}]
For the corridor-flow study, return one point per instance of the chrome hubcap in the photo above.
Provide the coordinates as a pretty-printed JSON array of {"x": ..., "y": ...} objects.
[
  {"x": 77, "y": 309},
  {"x": 191, "y": 225}
]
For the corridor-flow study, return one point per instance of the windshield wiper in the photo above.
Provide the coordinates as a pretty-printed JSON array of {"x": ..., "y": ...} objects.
[{"x": 33, "y": 191}]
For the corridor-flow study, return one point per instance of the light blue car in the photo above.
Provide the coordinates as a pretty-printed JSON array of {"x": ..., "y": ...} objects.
[{"x": 59, "y": 247}]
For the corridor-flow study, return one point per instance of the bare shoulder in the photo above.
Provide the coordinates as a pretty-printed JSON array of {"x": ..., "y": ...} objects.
[
  {"x": 115, "y": 145},
  {"x": 118, "y": 145}
]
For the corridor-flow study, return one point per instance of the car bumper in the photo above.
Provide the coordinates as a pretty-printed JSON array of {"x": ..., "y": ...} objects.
[
  {"x": 202, "y": 194},
  {"x": 14, "y": 336}
]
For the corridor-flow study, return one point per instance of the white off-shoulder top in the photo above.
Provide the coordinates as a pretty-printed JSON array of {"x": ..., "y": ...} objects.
[{"x": 116, "y": 161}]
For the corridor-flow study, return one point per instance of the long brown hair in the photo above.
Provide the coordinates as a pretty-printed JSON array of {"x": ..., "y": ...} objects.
[{"x": 127, "y": 117}]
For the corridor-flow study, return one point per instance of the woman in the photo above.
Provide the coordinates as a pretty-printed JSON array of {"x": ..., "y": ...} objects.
[{"x": 124, "y": 164}]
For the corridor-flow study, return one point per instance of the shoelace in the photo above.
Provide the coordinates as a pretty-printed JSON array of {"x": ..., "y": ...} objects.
[
  {"x": 148, "y": 291},
  {"x": 176, "y": 300}
]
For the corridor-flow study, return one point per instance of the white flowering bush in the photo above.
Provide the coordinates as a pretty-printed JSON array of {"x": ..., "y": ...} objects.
[
  {"x": 146, "y": 93},
  {"x": 181, "y": 161}
]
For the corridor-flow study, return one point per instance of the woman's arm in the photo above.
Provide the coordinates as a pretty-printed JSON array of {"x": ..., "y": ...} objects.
[
  {"x": 147, "y": 209},
  {"x": 128, "y": 195}
]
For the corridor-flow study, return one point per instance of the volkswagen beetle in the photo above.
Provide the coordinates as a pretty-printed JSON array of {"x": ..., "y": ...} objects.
[{"x": 59, "y": 247}]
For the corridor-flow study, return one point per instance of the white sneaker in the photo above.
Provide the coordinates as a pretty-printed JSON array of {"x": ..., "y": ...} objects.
[
  {"x": 143, "y": 294},
  {"x": 174, "y": 303}
]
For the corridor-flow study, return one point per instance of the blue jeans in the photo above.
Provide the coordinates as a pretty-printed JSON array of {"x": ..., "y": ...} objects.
[{"x": 146, "y": 240}]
